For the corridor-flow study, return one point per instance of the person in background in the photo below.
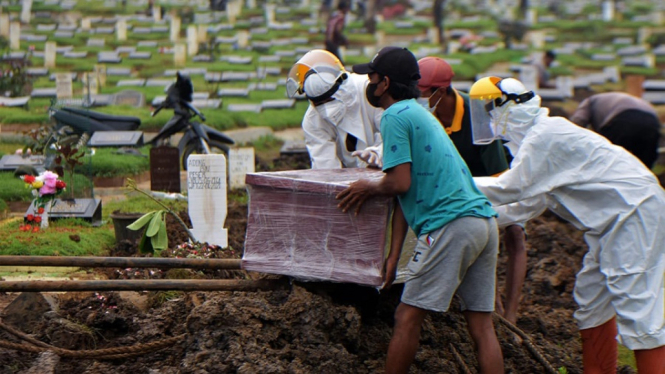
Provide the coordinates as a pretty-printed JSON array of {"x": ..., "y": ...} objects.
[
  {"x": 625, "y": 120},
  {"x": 451, "y": 108},
  {"x": 457, "y": 233},
  {"x": 599, "y": 188},
  {"x": 335, "y": 30},
  {"x": 542, "y": 67},
  {"x": 342, "y": 130}
]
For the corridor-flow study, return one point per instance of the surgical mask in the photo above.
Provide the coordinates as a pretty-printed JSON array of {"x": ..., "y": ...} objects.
[
  {"x": 332, "y": 111},
  {"x": 424, "y": 102},
  {"x": 374, "y": 100}
]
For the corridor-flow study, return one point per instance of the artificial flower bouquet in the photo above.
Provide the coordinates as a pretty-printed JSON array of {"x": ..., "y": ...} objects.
[{"x": 45, "y": 187}]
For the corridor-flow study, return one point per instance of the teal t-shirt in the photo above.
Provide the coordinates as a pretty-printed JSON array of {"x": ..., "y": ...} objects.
[{"x": 442, "y": 188}]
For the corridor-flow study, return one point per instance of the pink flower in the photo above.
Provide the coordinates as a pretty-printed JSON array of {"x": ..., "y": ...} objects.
[{"x": 50, "y": 180}]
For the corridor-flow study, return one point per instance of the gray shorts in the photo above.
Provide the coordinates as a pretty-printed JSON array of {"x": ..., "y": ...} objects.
[{"x": 459, "y": 257}]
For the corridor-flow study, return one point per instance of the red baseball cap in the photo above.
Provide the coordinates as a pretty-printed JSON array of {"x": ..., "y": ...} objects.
[{"x": 434, "y": 72}]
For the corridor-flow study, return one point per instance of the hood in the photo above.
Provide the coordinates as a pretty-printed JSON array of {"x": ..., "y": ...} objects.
[{"x": 513, "y": 121}]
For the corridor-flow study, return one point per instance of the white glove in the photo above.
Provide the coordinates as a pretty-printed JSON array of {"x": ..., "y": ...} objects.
[{"x": 371, "y": 155}]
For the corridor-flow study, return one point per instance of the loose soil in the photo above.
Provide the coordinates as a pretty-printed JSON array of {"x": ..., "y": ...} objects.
[{"x": 307, "y": 328}]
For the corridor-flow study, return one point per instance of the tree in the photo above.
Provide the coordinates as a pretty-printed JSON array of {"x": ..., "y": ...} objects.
[{"x": 437, "y": 11}]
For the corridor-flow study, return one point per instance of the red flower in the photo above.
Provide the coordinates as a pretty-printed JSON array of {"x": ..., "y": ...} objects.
[
  {"x": 60, "y": 184},
  {"x": 30, "y": 217},
  {"x": 40, "y": 210},
  {"x": 28, "y": 227},
  {"x": 28, "y": 179},
  {"x": 38, "y": 219},
  {"x": 35, "y": 229}
]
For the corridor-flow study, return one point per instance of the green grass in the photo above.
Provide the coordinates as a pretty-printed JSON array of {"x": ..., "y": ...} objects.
[
  {"x": 106, "y": 162},
  {"x": 13, "y": 188},
  {"x": 626, "y": 357},
  {"x": 57, "y": 240},
  {"x": 137, "y": 203}
]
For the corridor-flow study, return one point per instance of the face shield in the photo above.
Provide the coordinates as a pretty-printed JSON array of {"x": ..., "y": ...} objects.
[
  {"x": 313, "y": 62},
  {"x": 485, "y": 97}
]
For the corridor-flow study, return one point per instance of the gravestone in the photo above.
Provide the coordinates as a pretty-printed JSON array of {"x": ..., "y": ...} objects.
[
  {"x": 278, "y": 104},
  {"x": 63, "y": 85},
  {"x": 175, "y": 29},
  {"x": 241, "y": 162},
  {"x": 76, "y": 55},
  {"x": 121, "y": 30},
  {"x": 49, "y": 54},
  {"x": 109, "y": 57},
  {"x": 256, "y": 108},
  {"x": 86, "y": 25},
  {"x": 140, "y": 55},
  {"x": 100, "y": 71},
  {"x": 90, "y": 84},
  {"x": 87, "y": 209},
  {"x": 116, "y": 139},
  {"x": 129, "y": 97},
  {"x": 26, "y": 10},
  {"x": 192, "y": 41},
  {"x": 165, "y": 169},
  {"x": 11, "y": 162},
  {"x": 4, "y": 24},
  {"x": 179, "y": 55},
  {"x": 206, "y": 192},
  {"x": 202, "y": 33},
  {"x": 14, "y": 35}
]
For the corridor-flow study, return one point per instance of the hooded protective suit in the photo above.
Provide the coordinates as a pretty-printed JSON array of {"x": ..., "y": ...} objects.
[
  {"x": 326, "y": 126},
  {"x": 601, "y": 189}
]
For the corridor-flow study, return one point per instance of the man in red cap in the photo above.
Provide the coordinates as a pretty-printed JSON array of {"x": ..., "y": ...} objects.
[{"x": 451, "y": 108}]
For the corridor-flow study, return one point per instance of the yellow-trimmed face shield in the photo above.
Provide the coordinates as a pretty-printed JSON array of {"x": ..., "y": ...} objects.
[
  {"x": 484, "y": 95},
  {"x": 314, "y": 61}
]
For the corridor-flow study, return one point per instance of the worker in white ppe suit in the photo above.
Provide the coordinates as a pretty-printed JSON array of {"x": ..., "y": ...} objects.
[
  {"x": 601, "y": 189},
  {"x": 342, "y": 130}
]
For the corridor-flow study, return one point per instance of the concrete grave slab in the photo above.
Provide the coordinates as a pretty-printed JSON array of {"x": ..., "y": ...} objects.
[
  {"x": 141, "y": 30},
  {"x": 269, "y": 58},
  {"x": 632, "y": 50},
  {"x": 146, "y": 44},
  {"x": 118, "y": 72},
  {"x": 140, "y": 55},
  {"x": 131, "y": 83},
  {"x": 37, "y": 72},
  {"x": 14, "y": 101},
  {"x": 129, "y": 97},
  {"x": 63, "y": 34},
  {"x": 125, "y": 49},
  {"x": 654, "y": 85},
  {"x": 109, "y": 58},
  {"x": 158, "y": 82},
  {"x": 202, "y": 58},
  {"x": 93, "y": 42},
  {"x": 46, "y": 27},
  {"x": 240, "y": 60},
  {"x": 75, "y": 55},
  {"x": 256, "y": 108},
  {"x": 43, "y": 92},
  {"x": 233, "y": 92},
  {"x": 262, "y": 86},
  {"x": 278, "y": 104},
  {"x": 52, "y": 76}
]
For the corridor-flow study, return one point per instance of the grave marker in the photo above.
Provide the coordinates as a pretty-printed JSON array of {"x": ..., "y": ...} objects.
[
  {"x": 608, "y": 10},
  {"x": 12, "y": 162},
  {"x": 243, "y": 38},
  {"x": 25, "y": 11},
  {"x": 90, "y": 84},
  {"x": 49, "y": 54},
  {"x": 179, "y": 55},
  {"x": 241, "y": 162},
  {"x": 116, "y": 139},
  {"x": 86, "y": 209},
  {"x": 121, "y": 30},
  {"x": 202, "y": 33},
  {"x": 129, "y": 97},
  {"x": 175, "y": 28},
  {"x": 165, "y": 169},
  {"x": 157, "y": 13},
  {"x": 4, "y": 24},
  {"x": 63, "y": 85},
  {"x": 192, "y": 41},
  {"x": 100, "y": 71},
  {"x": 86, "y": 25},
  {"x": 14, "y": 35},
  {"x": 206, "y": 191}
]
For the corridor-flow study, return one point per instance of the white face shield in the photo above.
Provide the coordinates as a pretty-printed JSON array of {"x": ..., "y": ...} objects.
[{"x": 313, "y": 62}]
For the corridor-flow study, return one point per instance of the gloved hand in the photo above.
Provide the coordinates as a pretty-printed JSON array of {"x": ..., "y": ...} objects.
[{"x": 371, "y": 155}]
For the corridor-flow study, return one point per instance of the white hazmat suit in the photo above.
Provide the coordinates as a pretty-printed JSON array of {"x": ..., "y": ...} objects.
[
  {"x": 326, "y": 126},
  {"x": 601, "y": 189}
]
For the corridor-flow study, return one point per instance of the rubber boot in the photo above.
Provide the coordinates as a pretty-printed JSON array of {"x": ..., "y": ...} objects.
[
  {"x": 599, "y": 348},
  {"x": 650, "y": 361}
]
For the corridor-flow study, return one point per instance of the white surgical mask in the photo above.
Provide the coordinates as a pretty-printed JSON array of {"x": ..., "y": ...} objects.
[
  {"x": 424, "y": 101},
  {"x": 332, "y": 111}
]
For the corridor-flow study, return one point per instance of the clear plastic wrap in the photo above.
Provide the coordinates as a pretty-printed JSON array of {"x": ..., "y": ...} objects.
[{"x": 295, "y": 228}]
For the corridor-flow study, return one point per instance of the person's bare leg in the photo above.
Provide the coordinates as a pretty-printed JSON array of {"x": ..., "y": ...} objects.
[
  {"x": 650, "y": 361},
  {"x": 482, "y": 332},
  {"x": 599, "y": 348},
  {"x": 514, "y": 242},
  {"x": 405, "y": 339}
]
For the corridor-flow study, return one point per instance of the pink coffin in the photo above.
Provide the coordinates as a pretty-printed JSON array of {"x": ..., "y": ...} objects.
[{"x": 295, "y": 228}]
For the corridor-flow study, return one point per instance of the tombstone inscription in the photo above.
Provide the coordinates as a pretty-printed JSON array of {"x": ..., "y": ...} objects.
[{"x": 206, "y": 191}]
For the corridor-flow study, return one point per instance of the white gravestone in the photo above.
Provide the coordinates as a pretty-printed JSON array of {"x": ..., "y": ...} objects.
[
  {"x": 14, "y": 35},
  {"x": 206, "y": 195},
  {"x": 4, "y": 24},
  {"x": 121, "y": 30},
  {"x": 179, "y": 55},
  {"x": 243, "y": 38},
  {"x": 26, "y": 11},
  {"x": 380, "y": 38},
  {"x": 531, "y": 16},
  {"x": 241, "y": 162},
  {"x": 529, "y": 77},
  {"x": 86, "y": 23},
  {"x": 63, "y": 85},
  {"x": 270, "y": 14},
  {"x": 608, "y": 10},
  {"x": 192, "y": 41},
  {"x": 250, "y": 4},
  {"x": 50, "y": 49},
  {"x": 175, "y": 29},
  {"x": 433, "y": 35}
]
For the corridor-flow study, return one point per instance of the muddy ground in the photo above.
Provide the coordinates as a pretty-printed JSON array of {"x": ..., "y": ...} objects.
[{"x": 305, "y": 328}]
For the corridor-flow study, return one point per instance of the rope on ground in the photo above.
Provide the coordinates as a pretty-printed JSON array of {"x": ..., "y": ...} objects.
[
  {"x": 528, "y": 343},
  {"x": 460, "y": 360},
  {"x": 107, "y": 353}
]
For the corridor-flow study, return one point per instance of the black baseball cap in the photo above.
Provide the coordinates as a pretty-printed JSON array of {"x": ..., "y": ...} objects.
[{"x": 399, "y": 64}]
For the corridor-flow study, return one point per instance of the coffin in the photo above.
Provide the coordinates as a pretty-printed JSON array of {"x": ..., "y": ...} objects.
[{"x": 295, "y": 228}]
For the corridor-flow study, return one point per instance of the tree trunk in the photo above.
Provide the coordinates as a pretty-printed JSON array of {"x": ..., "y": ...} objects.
[{"x": 524, "y": 7}]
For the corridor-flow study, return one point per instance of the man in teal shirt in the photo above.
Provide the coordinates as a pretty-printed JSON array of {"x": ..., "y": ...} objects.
[{"x": 457, "y": 232}]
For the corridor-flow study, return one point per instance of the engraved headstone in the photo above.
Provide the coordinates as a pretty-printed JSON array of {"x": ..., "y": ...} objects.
[
  {"x": 116, "y": 139},
  {"x": 26, "y": 11},
  {"x": 241, "y": 162},
  {"x": 121, "y": 30},
  {"x": 63, "y": 85},
  {"x": 206, "y": 191},
  {"x": 87, "y": 209},
  {"x": 11, "y": 162},
  {"x": 165, "y": 169},
  {"x": 86, "y": 24},
  {"x": 192, "y": 41},
  {"x": 14, "y": 35},
  {"x": 175, "y": 29},
  {"x": 129, "y": 97}
]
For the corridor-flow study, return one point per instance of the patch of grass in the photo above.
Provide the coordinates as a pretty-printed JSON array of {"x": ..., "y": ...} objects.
[
  {"x": 266, "y": 147},
  {"x": 64, "y": 237},
  {"x": 13, "y": 188},
  {"x": 106, "y": 162},
  {"x": 626, "y": 357},
  {"x": 137, "y": 203}
]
